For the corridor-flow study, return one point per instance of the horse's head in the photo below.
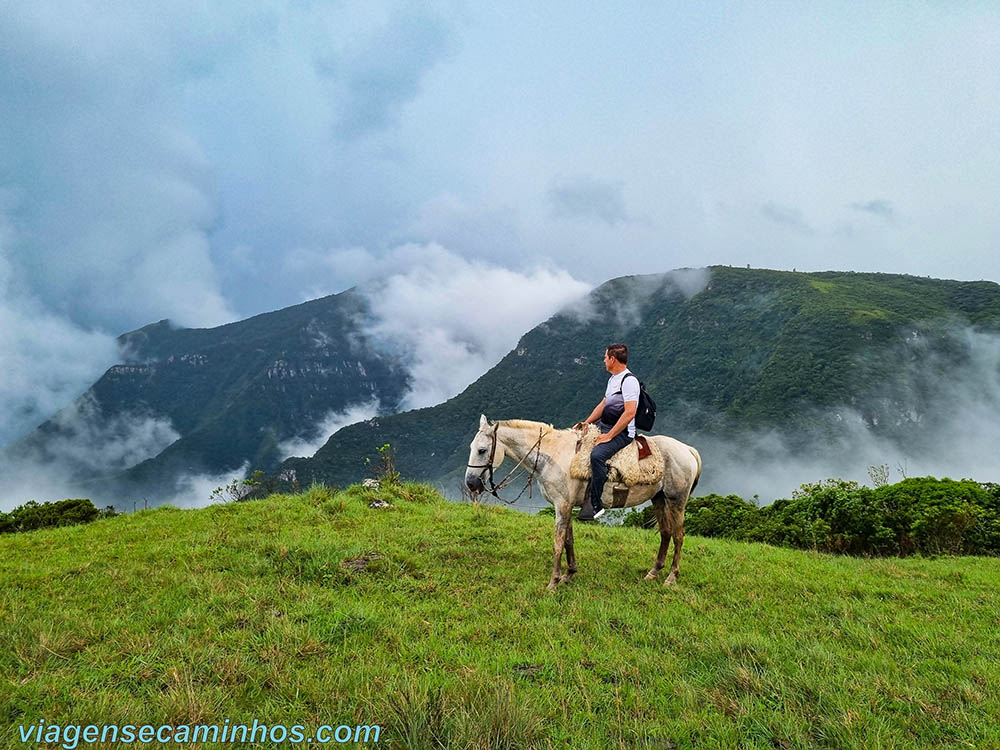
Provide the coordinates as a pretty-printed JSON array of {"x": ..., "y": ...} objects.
[{"x": 485, "y": 453}]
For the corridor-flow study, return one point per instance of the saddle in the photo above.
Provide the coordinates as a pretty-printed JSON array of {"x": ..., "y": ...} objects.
[{"x": 639, "y": 462}]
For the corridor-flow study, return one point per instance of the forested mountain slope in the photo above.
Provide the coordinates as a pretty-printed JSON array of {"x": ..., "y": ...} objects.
[{"x": 734, "y": 349}]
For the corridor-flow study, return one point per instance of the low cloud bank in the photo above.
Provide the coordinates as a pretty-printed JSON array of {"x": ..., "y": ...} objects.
[
  {"x": 195, "y": 490},
  {"x": 456, "y": 318},
  {"x": 306, "y": 445},
  {"x": 628, "y": 310},
  {"x": 450, "y": 318},
  {"x": 939, "y": 416},
  {"x": 47, "y": 359},
  {"x": 82, "y": 445}
]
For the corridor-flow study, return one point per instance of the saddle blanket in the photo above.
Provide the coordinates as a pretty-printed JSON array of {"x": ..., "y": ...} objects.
[{"x": 625, "y": 463}]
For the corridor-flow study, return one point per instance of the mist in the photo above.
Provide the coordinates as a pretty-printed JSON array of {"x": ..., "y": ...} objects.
[
  {"x": 452, "y": 318},
  {"x": 307, "y": 444},
  {"x": 939, "y": 416},
  {"x": 81, "y": 445}
]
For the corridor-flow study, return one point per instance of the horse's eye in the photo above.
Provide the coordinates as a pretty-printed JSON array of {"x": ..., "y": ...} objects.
[{"x": 482, "y": 451}]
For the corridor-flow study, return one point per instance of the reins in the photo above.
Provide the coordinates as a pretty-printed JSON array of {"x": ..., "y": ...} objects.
[{"x": 494, "y": 487}]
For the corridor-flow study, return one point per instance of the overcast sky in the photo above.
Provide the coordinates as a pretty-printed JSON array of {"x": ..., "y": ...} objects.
[{"x": 208, "y": 161}]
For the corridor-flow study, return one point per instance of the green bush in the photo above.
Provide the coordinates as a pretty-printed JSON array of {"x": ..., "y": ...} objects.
[
  {"x": 32, "y": 515},
  {"x": 644, "y": 519},
  {"x": 730, "y": 517},
  {"x": 925, "y": 515}
]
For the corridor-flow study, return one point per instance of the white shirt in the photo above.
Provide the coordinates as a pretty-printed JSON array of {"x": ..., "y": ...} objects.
[{"x": 629, "y": 393}]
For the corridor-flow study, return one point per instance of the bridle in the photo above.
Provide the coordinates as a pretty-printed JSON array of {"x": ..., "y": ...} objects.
[{"x": 494, "y": 488}]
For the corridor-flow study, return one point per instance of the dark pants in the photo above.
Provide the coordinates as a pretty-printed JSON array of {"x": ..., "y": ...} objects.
[{"x": 599, "y": 462}]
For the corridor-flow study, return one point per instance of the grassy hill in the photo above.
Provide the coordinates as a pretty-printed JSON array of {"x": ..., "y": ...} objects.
[
  {"x": 745, "y": 349},
  {"x": 430, "y": 618}
]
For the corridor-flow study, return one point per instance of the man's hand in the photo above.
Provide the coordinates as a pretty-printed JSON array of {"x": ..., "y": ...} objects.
[{"x": 603, "y": 438}]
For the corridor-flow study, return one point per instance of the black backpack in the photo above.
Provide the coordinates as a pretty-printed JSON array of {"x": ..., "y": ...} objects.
[{"x": 645, "y": 410}]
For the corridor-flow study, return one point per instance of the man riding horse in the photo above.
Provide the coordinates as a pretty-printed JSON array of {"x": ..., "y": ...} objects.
[{"x": 615, "y": 418}]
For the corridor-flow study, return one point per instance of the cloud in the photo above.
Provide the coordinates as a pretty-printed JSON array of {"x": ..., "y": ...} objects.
[
  {"x": 453, "y": 318},
  {"x": 47, "y": 360},
  {"x": 306, "y": 445},
  {"x": 630, "y": 306},
  {"x": 195, "y": 490},
  {"x": 82, "y": 438},
  {"x": 785, "y": 216},
  {"x": 82, "y": 443},
  {"x": 938, "y": 416},
  {"x": 588, "y": 198},
  {"x": 116, "y": 197},
  {"x": 690, "y": 281},
  {"x": 881, "y": 208},
  {"x": 384, "y": 71}
]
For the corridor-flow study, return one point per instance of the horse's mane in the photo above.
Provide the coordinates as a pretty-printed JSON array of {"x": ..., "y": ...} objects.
[
  {"x": 524, "y": 423},
  {"x": 527, "y": 424}
]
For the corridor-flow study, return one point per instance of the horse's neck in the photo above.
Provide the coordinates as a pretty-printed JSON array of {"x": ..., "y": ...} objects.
[
  {"x": 521, "y": 440},
  {"x": 551, "y": 464}
]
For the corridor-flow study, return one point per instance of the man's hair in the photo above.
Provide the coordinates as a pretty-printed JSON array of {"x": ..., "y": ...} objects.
[{"x": 619, "y": 352}]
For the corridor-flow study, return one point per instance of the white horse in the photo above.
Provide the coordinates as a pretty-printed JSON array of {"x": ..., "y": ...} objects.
[{"x": 546, "y": 452}]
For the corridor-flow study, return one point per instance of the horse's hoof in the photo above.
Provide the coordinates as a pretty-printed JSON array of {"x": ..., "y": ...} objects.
[
  {"x": 567, "y": 578},
  {"x": 671, "y": 580},
  {"x": 551, "y": 588},
  {"x": 650, "y": 576}
]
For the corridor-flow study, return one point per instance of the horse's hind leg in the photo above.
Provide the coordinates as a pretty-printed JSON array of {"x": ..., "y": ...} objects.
[
  {"x": 675, "y": 515},
  {"x": 570, "y": 554},
  {"x": 558, "y": 544},
  {"x": 659, "y": 507}
]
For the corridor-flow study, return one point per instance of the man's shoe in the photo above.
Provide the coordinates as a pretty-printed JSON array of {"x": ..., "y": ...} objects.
[{"x": 599, "y": 513}]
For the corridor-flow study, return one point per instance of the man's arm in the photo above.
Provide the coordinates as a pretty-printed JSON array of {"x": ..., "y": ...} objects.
[
  {"x": 596, "y": 413},
  {"x": 627, "y": 416}
]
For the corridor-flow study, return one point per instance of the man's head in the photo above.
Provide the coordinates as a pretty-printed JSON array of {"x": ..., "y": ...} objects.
[
  {"x": 615, "y": 358},
  {"x": 619, "y": 352}
]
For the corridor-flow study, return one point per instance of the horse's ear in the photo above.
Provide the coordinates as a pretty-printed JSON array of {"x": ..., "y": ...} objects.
[{"x": 483, "y": 421}]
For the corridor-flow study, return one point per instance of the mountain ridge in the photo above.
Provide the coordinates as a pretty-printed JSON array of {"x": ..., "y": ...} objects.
[
  {"x": 722, "y": 350},
  {"x": 752, "y": 349},
  {"x": 231, "y": 394}
]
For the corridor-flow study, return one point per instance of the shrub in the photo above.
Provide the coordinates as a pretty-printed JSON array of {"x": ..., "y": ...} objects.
[
  {"x": 644, "y": 519},
  {"x": 925, "y": 515},
  {"x": 33, "y": 515},
  {"x": 714, "y": 515},
  {"x": 385, "y": 468}
]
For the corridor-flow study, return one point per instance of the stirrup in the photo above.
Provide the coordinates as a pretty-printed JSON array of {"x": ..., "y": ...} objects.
[{"x": 619, "y": 495}]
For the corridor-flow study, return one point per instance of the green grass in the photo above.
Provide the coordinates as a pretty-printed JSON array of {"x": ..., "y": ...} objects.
[
  {"x": 823, "y": 286},
  {"x": 431, "y": 619}
]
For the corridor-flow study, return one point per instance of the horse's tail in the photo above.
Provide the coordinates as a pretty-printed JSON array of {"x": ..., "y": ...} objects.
[{"x": 697, "y": 457}]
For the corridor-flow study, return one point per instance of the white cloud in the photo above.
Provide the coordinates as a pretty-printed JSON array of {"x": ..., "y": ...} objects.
[
  {"x": 83, "y": 444},
  {"x": 46, "y": 359},
  {"x": 452, "y": 318},
  {"x": 195, "y": 490},
  {"x": 307, "y": 445},
  {"x": 455, "y": 318},
  {"x": 585, "y": 197},
  {"x": 947, "y": 405}
]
